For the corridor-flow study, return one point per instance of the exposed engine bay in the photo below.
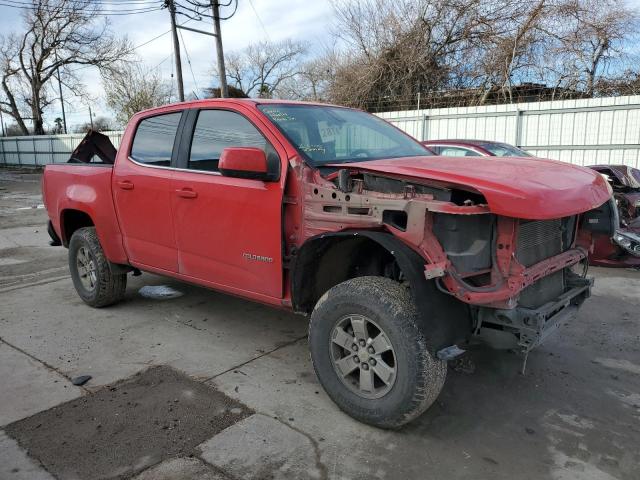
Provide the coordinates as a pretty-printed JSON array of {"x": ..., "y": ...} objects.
[{"x": 516, "y": 275}]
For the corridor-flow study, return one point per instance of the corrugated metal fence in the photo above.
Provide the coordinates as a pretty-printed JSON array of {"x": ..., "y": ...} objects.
[
  {"x": 584, "y": 132},
  {"x": 41, "y": 150}
]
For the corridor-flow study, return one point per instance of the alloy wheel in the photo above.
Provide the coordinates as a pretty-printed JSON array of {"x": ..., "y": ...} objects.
[
  {"x": 363, "y": 356},
  {"x": 86, "y": 269}
]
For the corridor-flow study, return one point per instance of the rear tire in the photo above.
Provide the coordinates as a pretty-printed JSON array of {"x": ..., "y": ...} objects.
[
  {"x": 90, "y": 270},
  {"x": 393, "y": 377}
]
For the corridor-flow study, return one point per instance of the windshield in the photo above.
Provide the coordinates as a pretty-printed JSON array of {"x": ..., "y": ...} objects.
[
  {"x": 504, "y": 150},
  {"x": 325, "y": 135}
]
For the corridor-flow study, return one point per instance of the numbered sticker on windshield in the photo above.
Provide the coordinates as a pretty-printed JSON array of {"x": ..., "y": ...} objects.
[{"x": 328, "y": 132}]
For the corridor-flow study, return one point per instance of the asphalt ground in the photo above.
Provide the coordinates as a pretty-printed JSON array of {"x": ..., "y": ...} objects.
[{"x": 248, "y": 403}]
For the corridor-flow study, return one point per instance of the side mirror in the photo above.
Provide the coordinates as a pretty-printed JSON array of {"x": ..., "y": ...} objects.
[{"x": 244, "y": 162}]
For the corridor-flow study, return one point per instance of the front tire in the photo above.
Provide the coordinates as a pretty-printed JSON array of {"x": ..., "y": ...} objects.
[
  {"x": 90, "y": 270},
  {"x": 370, "y": 355}
]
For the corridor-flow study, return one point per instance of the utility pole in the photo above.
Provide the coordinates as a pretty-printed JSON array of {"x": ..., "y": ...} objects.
[
  {"x": 90, "y": 117},
  {"x": 224, "y": 90},
  {"x": 64, "y": 117},
  {"x": 176, "y": 47}
]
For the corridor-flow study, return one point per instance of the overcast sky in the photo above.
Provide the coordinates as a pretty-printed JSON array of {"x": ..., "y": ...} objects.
[{"x": 307, "y": 20}]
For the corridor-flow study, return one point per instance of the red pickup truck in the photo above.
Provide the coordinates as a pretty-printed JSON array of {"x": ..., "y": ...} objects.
[{"x": 400, "y": 258}]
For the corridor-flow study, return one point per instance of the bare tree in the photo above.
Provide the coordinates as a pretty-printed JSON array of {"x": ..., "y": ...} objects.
[
  {"x": 16, "y": 103},
  {"x": 510, "y": 48},
  {"x": 473, "y": 51},
  {"x": 567, "y": 46},
  {"x": 132, "y": 88},
  {"x": 593, "y": 34},
  {"x": 13, "y": 130},
  {"x": 58, "y": 35},
  {"x": 396, "y": 49},
  {"x": 214, "y": 92},
  {"x": 312, "y": 81},
  {"x": 625, "y": 83},
  {"x": 259, "y": 69},
  {"x": 100, "y": 124}
]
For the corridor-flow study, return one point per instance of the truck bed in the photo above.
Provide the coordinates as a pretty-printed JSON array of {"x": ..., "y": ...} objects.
[{"x": 83, "y": 189}]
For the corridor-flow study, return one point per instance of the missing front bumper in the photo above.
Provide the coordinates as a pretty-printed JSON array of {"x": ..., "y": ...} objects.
[{"x": 526, "y": 328}]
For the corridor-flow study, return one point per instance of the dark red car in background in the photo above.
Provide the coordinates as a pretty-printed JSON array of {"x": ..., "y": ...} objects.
[
  {"x": 474, "y": 148},
  {"x": 624, "y": 250}
]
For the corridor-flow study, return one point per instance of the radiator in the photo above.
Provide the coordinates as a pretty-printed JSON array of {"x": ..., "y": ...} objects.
[{"x": 538, "y": 240}]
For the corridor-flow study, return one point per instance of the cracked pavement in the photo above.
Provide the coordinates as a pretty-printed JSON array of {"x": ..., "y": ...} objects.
[{"x": 574, "y": 415}]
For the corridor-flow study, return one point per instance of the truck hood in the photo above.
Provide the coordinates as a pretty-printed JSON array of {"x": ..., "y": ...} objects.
[{"x": 531, "y": 188}]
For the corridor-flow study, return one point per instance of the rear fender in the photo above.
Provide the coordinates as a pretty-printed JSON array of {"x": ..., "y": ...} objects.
[{"x": 85, "y": 189}]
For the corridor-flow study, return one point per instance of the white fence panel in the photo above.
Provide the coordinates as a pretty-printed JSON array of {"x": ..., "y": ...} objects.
[
  {"x": 584, "y": 132},
  {"x": 41, "y": 150}
]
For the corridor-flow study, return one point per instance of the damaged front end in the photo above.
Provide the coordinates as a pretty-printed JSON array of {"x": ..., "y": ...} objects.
[{"x": 516, "y": 275}]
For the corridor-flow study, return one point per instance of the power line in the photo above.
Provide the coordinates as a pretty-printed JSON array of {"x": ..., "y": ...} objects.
[
  {"x": 164, "y": 60},
  {"x": 195, "y": 7},
  {"x": 82, "y": 3},
  {"x": 132, "y": 49},
  {"x": 259, "y": 20},
  {"x": 152, "y": 39},
  {"x": 217, "y": 33},
  {"x": 189, "y": 62},
  {"x": 218, "y": 4},
  {"x": 152, "y": 7},
  {"x": 109, "y": 2}
]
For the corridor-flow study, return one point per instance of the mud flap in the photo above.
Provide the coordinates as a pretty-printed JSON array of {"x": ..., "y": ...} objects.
[{"x": 55, "y": 239}]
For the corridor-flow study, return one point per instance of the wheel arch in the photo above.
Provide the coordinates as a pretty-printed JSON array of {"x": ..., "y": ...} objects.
[
  {"x": 72, "y": 219},
  {"x": 317, "y": 267}
]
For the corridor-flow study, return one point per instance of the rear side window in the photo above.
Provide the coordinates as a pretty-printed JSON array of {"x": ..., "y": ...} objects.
[
  {"x": 153, "y": 143},
  {"x": 218, "y": 129},
  {"x": 457, "y": 152}
]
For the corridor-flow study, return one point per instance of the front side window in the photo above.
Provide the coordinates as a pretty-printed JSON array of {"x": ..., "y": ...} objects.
[
  {"x": 216, "y": 130},
  {"x": 153, "y": 142},
  {"x": 326, "y": 135}
]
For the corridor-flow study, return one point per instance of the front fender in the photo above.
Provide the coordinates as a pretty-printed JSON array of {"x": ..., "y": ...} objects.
[{"x": 444, "y": 320}]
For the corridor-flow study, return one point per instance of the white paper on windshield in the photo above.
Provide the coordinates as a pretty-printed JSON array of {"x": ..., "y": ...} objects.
[{"x": 328, "y": 133}]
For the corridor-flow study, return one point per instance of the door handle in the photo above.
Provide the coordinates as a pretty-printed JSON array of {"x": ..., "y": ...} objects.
[
  {"x": 125, "y": 185},
  {"x": 186, "y": 193}
]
